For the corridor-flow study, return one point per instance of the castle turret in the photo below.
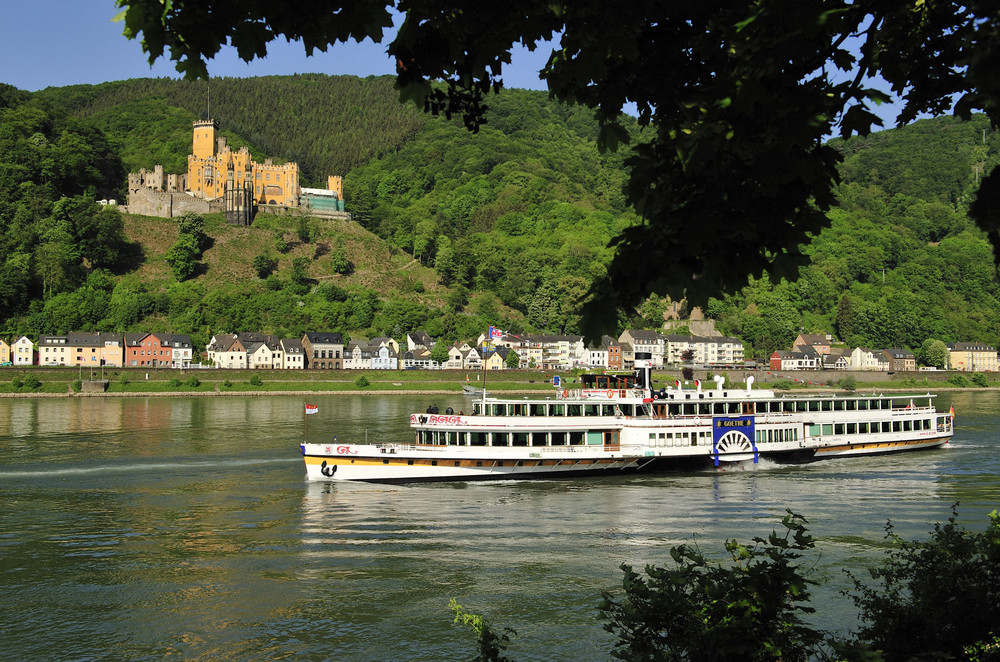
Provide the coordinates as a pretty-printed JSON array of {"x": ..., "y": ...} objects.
[{"x": 205, "y": 139}]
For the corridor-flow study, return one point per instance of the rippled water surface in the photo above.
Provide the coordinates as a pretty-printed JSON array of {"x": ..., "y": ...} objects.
[{"x": 183, "y": 527}]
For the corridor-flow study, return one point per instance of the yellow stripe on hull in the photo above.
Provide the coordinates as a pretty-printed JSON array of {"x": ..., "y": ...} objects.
[{"x": 880, "y": 446}]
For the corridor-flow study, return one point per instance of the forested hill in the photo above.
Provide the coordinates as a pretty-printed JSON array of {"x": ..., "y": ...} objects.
[
  {"x": 328, "y": 124},
  {"x": 901, "y": 262},
  {"x": 457, "y": 231}
]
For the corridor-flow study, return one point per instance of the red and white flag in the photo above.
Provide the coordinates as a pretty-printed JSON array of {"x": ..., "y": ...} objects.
[{"x": 312, "y": 409}]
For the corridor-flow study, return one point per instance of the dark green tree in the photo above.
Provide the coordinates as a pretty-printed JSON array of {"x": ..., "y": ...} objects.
[
  {"x": 182, "y": 257},
  {"x": 749, "y": 609},
  {"x": 264, "y": 265},
  {"x": 932, "y": 600}
]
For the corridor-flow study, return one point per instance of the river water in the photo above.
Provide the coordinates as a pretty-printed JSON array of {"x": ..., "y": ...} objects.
[{"x": 183, "y": 527}]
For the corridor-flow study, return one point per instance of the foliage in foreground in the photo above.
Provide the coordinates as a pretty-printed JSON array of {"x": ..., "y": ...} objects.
[
  {"x": 933, "y": 600},
  {"x": 704, "y": 610}
]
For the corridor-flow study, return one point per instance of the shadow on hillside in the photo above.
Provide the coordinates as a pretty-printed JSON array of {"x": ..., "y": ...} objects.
[{"x": 130, "y": 258}]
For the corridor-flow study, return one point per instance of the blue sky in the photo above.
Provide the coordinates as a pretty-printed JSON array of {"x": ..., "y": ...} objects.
[{"x": 67, "y": 42}]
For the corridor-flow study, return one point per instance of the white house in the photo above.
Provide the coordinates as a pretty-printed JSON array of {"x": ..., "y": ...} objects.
[{"x": 23, "y": 351}]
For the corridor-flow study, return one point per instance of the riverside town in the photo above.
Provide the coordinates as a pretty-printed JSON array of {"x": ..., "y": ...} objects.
[{"x": 331, "y": 351}]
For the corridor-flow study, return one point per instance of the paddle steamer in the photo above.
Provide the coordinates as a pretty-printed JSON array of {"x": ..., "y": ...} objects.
[{"x": 621, "y": 424}]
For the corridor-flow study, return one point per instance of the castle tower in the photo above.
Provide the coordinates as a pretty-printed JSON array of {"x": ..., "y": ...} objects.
[{"x": 205, "y": 139}]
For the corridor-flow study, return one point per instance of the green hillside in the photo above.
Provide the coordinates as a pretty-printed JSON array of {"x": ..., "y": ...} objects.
[
  {"x": 452, "y": 231},
  {"x": 328, "y": 124}
]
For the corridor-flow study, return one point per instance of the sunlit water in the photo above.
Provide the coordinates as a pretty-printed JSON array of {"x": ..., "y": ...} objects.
[{"x": 183, "y": 527}]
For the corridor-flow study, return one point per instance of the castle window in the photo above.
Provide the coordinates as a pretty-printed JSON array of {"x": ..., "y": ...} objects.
[
  {"x": 277, "y": 177},
  {"x": 267, "y": 177}
]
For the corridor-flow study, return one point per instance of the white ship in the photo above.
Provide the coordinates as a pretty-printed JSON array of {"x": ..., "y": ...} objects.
[{"x": 619, "y": 424}]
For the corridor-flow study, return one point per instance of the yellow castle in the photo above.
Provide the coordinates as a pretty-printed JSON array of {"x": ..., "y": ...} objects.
[
  {"x": 219, "y": 179},
  {"x": 210, "y": 162}
]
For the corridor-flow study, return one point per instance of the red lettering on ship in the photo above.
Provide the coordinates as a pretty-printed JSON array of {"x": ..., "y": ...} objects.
[
  {"x": 455, "y": 420},
  {"x": 345, "y": 450}
]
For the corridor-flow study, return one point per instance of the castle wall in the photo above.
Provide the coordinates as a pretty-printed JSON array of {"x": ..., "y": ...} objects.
[{"x": 149, "y": 202}]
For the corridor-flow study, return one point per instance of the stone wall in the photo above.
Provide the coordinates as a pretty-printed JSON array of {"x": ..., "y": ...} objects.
[{"x": 147, "y": 202}]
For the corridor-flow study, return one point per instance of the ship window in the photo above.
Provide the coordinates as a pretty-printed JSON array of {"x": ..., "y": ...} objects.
[
  {"x": 479, "y": 464},
  {"x": 775, "y": 407},
  {"x": 576, "y": 438},
  {"x": 457, "y": 463},
  {"x": 434, "y": 463},
  {"x": 558, "y": 438},
  {"x": 519, "y": 410},
  {"x": 895, "y": 426},
  {"x": 385, "y": 461},
  {"x": 705, "y": 408},
  {"x": 863, "y": 405},
  {"x": 520, "y": 438},
  {"x": 760, "y": 407},
  {"x": 452, "y": 438},
  {"x": 838, "y": 428},
  {"x": 770, "y": 435},
  {"x": 760, "y": 436},
  {"x": 537, "y": 409},
  {"x": 574, "y": 410},
  {"x": 501, "y": 439},
  {"x": 673, "y": 410},
  {"x": 557, "y": 410},
  {"x": 499, "y": 410},
  {"x": 538, "y": 438},
  {"x": 719, "y": 408},
  {"x": 652, "y": 436},
  {"x": 852, "y": 405},
  {"x": 688, "y": 410},
  {"x": 480, "y": 439},
  {"x": 852, "y": 428},
  {"x": 862, "y": 428},
  {"x": 827, "y": 405},
  {"x": 886, "y": 404},
  {"x": 607, "y": 410},
  {"x": 838, "y": 405},
  {"x": 906, "y": 426},
  {"x": 788, "y": 405},
  {"x": 500, "y": 463},
  {"x": 591, "y": 410},
  {"x": 814, "y": 431},
  {"x": 814, "y": 405},
  {"x": 827, "y": 429}
]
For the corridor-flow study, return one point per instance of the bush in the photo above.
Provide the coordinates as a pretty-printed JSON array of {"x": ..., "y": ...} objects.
[
  {"x": 699, "y": 609},
  {"x": 193, "y": 382},
  {"x": 979, "y": 379},
  {"x": 17, "y": 382},
  {"x": 848, "y": 383},
  {"x": 256, "y": 381},
  {"x": 341, "y": 265},
  {"x": 958, "y": 380},
  {"x": 78, "y": 385},
  {"x": 174, "y": 383},
  {"x": 227, "y": 384},
  {"x": 361, "y": 381},
  {"x": 264, "y": 264},
  {"x": 782, "y": 384},
  {"x": 942, "y": 595},
  {"x": 31, "y": 382}
]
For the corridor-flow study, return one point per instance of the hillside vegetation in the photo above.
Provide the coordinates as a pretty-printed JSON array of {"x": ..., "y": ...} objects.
[{"x": 452, "y": 231}]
